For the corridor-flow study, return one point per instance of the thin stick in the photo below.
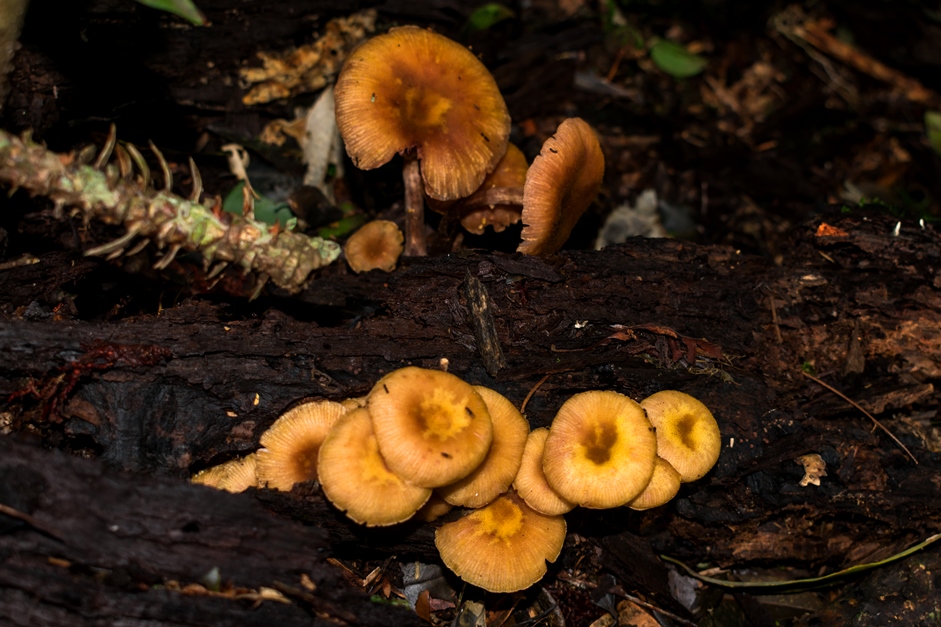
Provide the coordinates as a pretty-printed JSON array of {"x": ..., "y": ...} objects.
[
  {"x": 856, "y": 405},
  {"x": 533, "y": 391},
  {"x": 29, "y": 520}
]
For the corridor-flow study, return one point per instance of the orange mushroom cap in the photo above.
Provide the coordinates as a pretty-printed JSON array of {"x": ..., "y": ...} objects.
[
  {"x": 600, "y": 451},
  {"x": 235, "y": 475},
  {"x": 510, "y": 173},
  {"x": 663, "y": 486},
  {"x": 495, "y": 474},
  {"x": 414, "y": 89},
  {"x": 290, "y": 445},
  {"x": 502, "y": 547},
  {"x": 356, "y": 479},
  {"x": 562, "y": 182},
  {"x": 377, "y": 245},
  {"x": 530, "y": 482},
  {"x": 687, "y": 434},
  {"x": 432, "y": 428}
]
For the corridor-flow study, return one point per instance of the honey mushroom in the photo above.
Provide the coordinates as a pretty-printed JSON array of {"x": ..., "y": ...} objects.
[
  {"x": 502, "y": 547},
  {"x": 355, "y": 478},
  {"x": 290, "y": 446},
  {"x": 432, "y": 428},
  {"x": 495, "y": 474},
  {"x": 530, "y": 482},
  {"x": 560, "y": 185},
  {"x": 687, "y": 434},
  {"x": 600, "y": 451},
  {"x": 428, "y": 98},
  {"x": 374, "y": 246},
  {"x": 236, "y": 475},
  {"x": 663, "y": 486}
]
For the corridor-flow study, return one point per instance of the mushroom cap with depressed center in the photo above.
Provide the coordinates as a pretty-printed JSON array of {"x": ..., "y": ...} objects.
[
  {"x": 530, "y": 482},
  {"x": 290, "y": 445},
  {"x": 414, "y": 89},
  {"x": 357, "y": 481},
  {"x": 377, "y": 245},
  {"x": 663, "y": 486},
  {"x": 503, "y": 547},
  {"x": 600, "y": 451},
  {"x": 236, "y": 475},
  {"x": 432, "y": 428},
  {"x": 495, "y": 474},
  {"x": 687, "y": 434},
  {"x": 562, "y": 182}
]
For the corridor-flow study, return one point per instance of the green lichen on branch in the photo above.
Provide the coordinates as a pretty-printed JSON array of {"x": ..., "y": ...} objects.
[{"x": 168, "y": 220}]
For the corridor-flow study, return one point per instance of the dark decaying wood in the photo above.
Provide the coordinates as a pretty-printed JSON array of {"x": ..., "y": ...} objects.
[{"x": 170, "y": 392}]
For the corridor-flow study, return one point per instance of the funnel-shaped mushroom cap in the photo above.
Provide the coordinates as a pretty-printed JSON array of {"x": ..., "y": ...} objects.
[
  {"x": 600, "y": 450},
  {"x": 432, "y": 427},
  {"x": 375, "y": 246},
  {"x": 687, "y": 435},
  {"x": 502, "y": 547},
  {"x": 414, "y": 89},
  {"x": 236, "y": 475},
  {"x": 356, "y": 479},
  {"x": 494, "y": 476},
  {"x": 530, "y": 482},
  {"x": 663, "y": 486},
  {"x": 291, "y": 444},
  {"x": 562, "y": 182}
]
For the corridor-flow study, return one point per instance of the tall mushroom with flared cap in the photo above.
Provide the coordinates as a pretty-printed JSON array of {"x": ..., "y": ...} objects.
[
  {"x": 562, "y": 182},
  {"x": 419, "y": 94}
]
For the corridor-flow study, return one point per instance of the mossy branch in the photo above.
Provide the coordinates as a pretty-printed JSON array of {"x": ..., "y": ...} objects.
[{"x": 111, "y": 195}]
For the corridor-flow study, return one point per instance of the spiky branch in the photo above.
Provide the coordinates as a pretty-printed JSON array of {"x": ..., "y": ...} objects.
[{"x": 111, "y": 194}]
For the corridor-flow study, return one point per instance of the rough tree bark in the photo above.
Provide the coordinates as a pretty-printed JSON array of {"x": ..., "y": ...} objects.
[{"x": 166, "y": 393}]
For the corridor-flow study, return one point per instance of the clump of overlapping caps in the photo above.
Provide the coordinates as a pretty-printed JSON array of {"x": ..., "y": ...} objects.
[
  {"x": 423, "y": 441},
  {"x": 418, "y": 94}
]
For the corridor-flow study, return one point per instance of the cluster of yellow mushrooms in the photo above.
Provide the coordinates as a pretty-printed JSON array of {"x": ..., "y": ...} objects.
[{"x": 423, "y": 441}]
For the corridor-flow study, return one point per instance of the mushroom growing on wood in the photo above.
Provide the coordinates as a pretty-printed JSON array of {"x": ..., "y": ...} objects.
[
  {"x": 663, "y": 486},
  {"x": 290, "y": 446},
  {"x": 687, "y": 434},
  {"x": 236, "y": 475},
  {"x": 495, "y": 474},
  {"x": 421, "y": 95},
  {"x": 530, "y": 482},
  {"x": 375, "y": 246},
  {"x": 356, "y": 479},
  {"x": 432, "y": 428},
  {"x": 503, "y": 547},
  {"x": 600, "y": 451},
  {"x": 562, "y": 182}
]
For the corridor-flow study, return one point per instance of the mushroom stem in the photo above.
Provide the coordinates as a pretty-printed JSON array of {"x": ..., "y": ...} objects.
[{"x": 414, "y": 209}]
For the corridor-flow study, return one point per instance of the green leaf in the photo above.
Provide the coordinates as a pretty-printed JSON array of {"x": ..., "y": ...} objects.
[
  {"x": 266, "y": 210},
  {"x": 933, "y": 129},
  {"x": 487, "y": 15},
  {"x": 676, "y": 60},
  {"x": 184, "y": 8}
]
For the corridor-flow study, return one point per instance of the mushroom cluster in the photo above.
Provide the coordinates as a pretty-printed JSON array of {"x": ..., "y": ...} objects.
[
  {"x": 424, "y": 441},
  {"x": 429, "y": 99}
]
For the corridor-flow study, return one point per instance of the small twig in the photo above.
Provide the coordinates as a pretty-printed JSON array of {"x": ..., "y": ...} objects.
[
  {"x": 774, "y": 318},
  {"x": 857, "y": 406},
  {"x": 533, "y": 391},
  {"x": 32, "y": 522}
]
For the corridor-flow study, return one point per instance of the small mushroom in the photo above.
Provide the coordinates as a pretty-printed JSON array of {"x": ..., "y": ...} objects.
[
  {"x": 600, "y": 451},
  {"x": 375, "y": 246},
  {"x": 424, "y": 96},
  {"x": 355, "y": 478},
  {"x": 290, "y": 445},
  {"x": 432, "y": 428},
  {"x": 687, "y": 434},
  {"x": 236, "y": 475},
  {"x": 530, "y": 482},
  {"x": 562, "y": 182},
  {"x": 433, "y": 509},
  {"x": 663, "y": 486},
  {"x": 503, "y": 547},
  {"x": 495, "y": 474}
]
